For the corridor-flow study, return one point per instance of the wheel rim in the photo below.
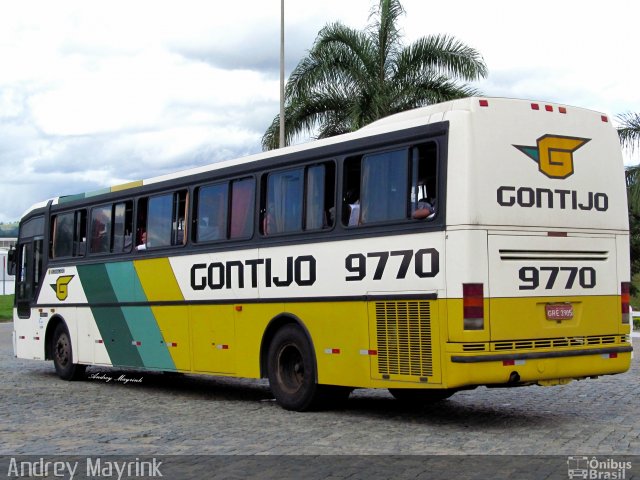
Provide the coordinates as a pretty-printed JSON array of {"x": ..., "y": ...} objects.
[
  {"x": 290, "y": 368},
  {"x": 62, "y": 350}
]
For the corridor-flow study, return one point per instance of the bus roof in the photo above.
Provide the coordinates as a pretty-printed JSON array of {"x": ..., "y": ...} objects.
[{"x": 399, "y": 121}]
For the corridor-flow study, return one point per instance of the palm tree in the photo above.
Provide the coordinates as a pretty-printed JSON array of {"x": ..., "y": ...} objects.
[
  {"x": 629, "y": 134},
  {"x": 351, "y": 77}
]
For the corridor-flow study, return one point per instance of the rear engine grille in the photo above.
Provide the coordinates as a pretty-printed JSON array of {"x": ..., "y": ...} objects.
[
  {"x": 558, "y": 342},
  {"x": 404, "y": 338}
]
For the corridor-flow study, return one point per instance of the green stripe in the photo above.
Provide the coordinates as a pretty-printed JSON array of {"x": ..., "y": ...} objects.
[
  {"x": 140, "y": 320},
  {"x": 124, "y": 281},
  {"x": 110, "y": 320},
  {"x": 144, "y": 328},
  {"x": 71, "y": 198}
]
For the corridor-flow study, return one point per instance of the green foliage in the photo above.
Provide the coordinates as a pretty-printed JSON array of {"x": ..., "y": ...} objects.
[
  {"x": 634, "y": 247},
  {"x": 629, "y": 130},
  {"x": 6, "y": 307},
  {"x": 351, "y": 78}
]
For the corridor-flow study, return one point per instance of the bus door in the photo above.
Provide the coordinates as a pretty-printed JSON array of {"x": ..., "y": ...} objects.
[{"x": 30, "y": 250}]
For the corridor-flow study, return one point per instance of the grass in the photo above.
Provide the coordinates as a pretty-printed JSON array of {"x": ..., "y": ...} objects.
[{"x": 6, "y": 307}]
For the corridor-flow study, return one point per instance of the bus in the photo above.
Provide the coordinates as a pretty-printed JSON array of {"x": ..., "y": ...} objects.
[{"x": 477, "y": 242}]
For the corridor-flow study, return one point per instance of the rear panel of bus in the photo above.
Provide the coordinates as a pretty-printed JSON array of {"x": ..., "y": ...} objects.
[{"x": 537, "y": 245}]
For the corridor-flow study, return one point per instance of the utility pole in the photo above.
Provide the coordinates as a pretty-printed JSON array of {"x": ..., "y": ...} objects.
[{"x": 281, "y": 73}]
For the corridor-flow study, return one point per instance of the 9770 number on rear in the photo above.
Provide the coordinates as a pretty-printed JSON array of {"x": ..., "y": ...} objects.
[{"x": 532, "y": 278}]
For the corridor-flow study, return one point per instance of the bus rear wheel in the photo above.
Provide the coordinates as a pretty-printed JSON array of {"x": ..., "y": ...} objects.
[
  {"x": 62, "y": 353},
  {"x": 291, "y": 370},
  {"x": 420, "y": 396}
]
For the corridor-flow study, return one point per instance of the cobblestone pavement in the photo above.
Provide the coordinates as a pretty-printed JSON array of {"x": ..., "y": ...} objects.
[{"x": 164, "y": 414}]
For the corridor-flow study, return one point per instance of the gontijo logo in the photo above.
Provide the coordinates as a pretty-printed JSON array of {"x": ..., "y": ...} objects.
[
  {"x": 61, "y": 286},
  {"x": 554, "y": 154}
]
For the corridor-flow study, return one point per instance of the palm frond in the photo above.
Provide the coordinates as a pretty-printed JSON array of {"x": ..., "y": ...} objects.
[
  {"x": 629, "y": 130},
  {"x": 442, "y": 54}
]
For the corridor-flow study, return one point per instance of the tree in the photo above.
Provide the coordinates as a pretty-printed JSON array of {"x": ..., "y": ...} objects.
[
  {"x": 629, "y": 133},
  {"x": 351, "y": 78}
]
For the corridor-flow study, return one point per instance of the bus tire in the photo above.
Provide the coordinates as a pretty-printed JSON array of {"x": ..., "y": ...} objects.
[
  {"x": 291, "y": 370},
  {"x": 62, "y": 353},
  {"x": 420, "y": 396}
]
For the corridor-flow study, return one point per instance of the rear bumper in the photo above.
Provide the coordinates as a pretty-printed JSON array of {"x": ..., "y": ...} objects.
[
  {"x": 538, "y": 355},
  {"x": 543, "y": 367}
]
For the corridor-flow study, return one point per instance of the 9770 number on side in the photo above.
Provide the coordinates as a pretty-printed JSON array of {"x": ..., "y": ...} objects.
[{"x": 426, "y": 264}]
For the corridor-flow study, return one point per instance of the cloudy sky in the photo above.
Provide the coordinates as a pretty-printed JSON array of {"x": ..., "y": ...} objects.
[{"x": 99, "y": 93}]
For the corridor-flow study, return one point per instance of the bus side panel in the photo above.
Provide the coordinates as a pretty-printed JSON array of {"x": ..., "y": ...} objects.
[
  {"x": 29, "y": 335},
  {"x": 251, "y": 322},
  {"x": 339, "y": 333},
  {"x": 213, "y": 343}
]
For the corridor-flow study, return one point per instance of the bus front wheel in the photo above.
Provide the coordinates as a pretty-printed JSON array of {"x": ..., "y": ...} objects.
[
  {"x": 291, "y": 369},
  {"x": 62, "y": 354}
]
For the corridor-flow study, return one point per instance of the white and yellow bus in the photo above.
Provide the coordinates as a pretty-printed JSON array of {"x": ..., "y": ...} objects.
[{"x": 482, "y": 241}]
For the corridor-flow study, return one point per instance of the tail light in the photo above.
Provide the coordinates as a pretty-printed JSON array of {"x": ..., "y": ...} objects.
[
  {"x": 473, "y": 306},
  {"x": 625, "y": 296}
]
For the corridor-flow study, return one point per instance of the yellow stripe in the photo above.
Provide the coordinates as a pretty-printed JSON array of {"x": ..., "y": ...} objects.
[
  {"x": 126, "y": 186},
  {"x": 174, "y": 325},
  {"x": 158, "y": 280},
  {"x": 159, "y": 284}
]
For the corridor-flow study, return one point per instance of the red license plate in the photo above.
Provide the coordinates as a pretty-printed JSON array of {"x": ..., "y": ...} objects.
[{"x": 559, "y": 311}]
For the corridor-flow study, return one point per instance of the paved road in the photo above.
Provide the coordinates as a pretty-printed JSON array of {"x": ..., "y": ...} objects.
[{"x": 42, "y": 415}]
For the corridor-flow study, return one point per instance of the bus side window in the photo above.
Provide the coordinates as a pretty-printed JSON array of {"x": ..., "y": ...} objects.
[
  {"x": 164, "y": 224},
  {"x": 350, "y": 212},
  {"x": 62, "y": 235},
  {"x": 179, "y": 226},
  {"x": 298, "y": 199},
  {"x": 211, "y": 212},
  {"x": 80, "y": 234},
  {"x": 122, "y": 227},
  {"x": 140, "y": 240},
  {"x": 376, "y": 188},
  {"x": 100, "y": 229},
  {"x": 68, "y": 234},
  {"x": 283, "y": 208},
  {"x": 320, "y": 209},
  {"x": 242, "y": 208},
  {"x": 424, "y": 174}
]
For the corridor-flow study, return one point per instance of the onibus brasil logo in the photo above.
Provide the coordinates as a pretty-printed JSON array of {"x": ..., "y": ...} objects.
[
  {"x": 554, "y": 154},
  {"x": 61, "y": 287}
]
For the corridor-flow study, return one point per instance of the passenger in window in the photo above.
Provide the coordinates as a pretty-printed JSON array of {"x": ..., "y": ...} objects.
[
  {"x": 351, "y": 199},
  {"x": 425, "y": 208},
  {"x": 142, "y": 242}
]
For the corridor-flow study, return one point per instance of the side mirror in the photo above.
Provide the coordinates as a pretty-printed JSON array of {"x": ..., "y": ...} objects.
[{"x": 11, "y": 261}]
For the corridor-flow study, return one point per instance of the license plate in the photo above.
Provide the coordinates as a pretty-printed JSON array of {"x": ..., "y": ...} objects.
[{"x": 559, "y": 311}]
